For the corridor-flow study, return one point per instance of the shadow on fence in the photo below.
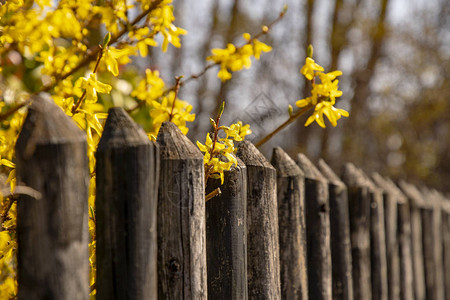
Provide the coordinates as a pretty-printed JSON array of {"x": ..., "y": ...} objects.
[{"x": 281, "y": 230}]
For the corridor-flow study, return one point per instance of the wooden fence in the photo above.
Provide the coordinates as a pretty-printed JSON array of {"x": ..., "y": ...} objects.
[{"x": 281, "y": 230}]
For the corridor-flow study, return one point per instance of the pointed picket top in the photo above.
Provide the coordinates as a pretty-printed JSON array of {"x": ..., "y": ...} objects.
[
  {"x": 352, "y": 176},
  {"x": 445, "y": 201},
  {"x": 369, "y": 182},
  {"x": 401, "y": 198},
  {"x": 174, "y": 144},
  {"x": 120, "y": 130},
  {"x": 389, "y": 187},
  {"x": 251, "y": 156},
  {"x": 46, "y": 124},
  {"x": 412, "y": 193},
  {"x": 284, "y": 164},
  {"x": 311, "y": 172},
  {"x": 329, "y": 174}
]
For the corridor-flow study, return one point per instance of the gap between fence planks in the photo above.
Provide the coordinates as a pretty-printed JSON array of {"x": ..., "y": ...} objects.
[
  {"x": 292, "y": 228},
  {"x": 226, "y": 237},
  {"x": 181, "y": 218},
  {"x": 53, "y": 236},
  {"x": 342, "y": 281},
  {"x": 317, "y": 230},
  {"x": 127, "y": 174}
]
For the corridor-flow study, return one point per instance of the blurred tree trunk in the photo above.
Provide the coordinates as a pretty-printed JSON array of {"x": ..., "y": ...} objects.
[
  {"x": 229, "y": 35},
  {"x": 205, "y": 52},
  {"x": 305, "y": 133},
  {"x": 355, "y": 145}
]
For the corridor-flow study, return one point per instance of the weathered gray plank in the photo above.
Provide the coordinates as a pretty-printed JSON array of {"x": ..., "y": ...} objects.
[
  {"x": 415, "y": 204},
  {"x": 340, "y": 235},
  {"x": 317, "y": 230},
  {"x": 127, "y": 176},
  {"x": 404, "y": 241},
  {"x": 292, "y": 228},
  {"x": 432, "y": 246},
  {"x": 263, "y": 261},
  {"x": 226, "y": 242},
  {"x": 359, "y": 210},
  {"x": 181, "y": 218},
  {"x": 53, "y": 259},
  {"x": 392, "y": 246},
  {"x": 377, "y": 243}
]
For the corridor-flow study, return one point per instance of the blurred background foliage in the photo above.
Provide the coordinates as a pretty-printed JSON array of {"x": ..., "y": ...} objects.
[{"x": 395, "y": 55}]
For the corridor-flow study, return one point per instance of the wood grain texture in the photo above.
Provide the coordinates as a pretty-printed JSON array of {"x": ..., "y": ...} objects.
[
  {"x": 406, "y": 284},
  {"x": 127, "y": 184},
  {"x": 341, "y": 256},
  {"x": 377, "y": 242},
  {"x": 432, "y": 245},
  {"x": 263, "y": 261},
  {"x": 226, "y": 237},
  {"x": 292, "y": 227},
  {"x": 415, "y": 203},
  {"x": 359, "y": 210},
  {"x": 317, "y": 230},
  {"x": 53, "y": 237},
  {"x": 181, "y": 218},
  {"x": 392, "y": 241}
]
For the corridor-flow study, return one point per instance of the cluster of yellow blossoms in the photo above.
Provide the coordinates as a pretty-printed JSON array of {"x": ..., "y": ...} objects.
[
  {"x": 56, "y": 40},
  {"x": 323, "y": 94},
  {"x": 234, "y": 58},
  {"x": 220, "y": 152}
]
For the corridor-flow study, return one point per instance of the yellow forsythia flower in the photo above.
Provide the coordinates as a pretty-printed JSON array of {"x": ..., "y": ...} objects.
[
  {"x": 309, "y": 68},
  {"x": 323, "y": 94},
  {"x": 92, "y": 87},
  {"x": 178, "y": 114},
  {"x": 235, "y": 59}
]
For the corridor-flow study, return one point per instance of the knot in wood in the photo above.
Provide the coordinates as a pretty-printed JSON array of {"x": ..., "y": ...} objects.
[{"x": 174, "y": 266}]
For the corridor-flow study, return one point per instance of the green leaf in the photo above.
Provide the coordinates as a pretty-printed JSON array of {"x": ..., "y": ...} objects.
[
  {"x": 222, "y": 107},
  {"x": 106, "y": 39}
]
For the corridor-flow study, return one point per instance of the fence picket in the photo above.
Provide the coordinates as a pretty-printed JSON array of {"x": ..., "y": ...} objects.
[
  {"x": 446, "y": 243},
  {"x": 403, "y": 239},
  {"x": 226, "y": 237},
  {"x": 317, "y": 230},
  {"x": 432, "y": 246},
  {"x": 53, "y": 259},
  {"x": 126, "y": 180},
  {"x": 263, "y": 262},
  {"x": 392, "y": 246},
  {"x": 359, "y": 210},
  {"x": 292, "y": 228},
  {"x": 340, "y": 235},
  {"x": 181, "y": 218},
  {"x": 415, "y": 204}
]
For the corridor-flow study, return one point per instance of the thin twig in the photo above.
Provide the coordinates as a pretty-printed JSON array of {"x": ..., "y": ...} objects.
[
  {"x": 213, "y": 194},
  {"x": 80, "y": 100},
  {"x": 291, "y": 119},
  {"x": 177, "y": 88},
  {"x": 14, "y": 109},
  {"x": 210, "y": 65}
]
